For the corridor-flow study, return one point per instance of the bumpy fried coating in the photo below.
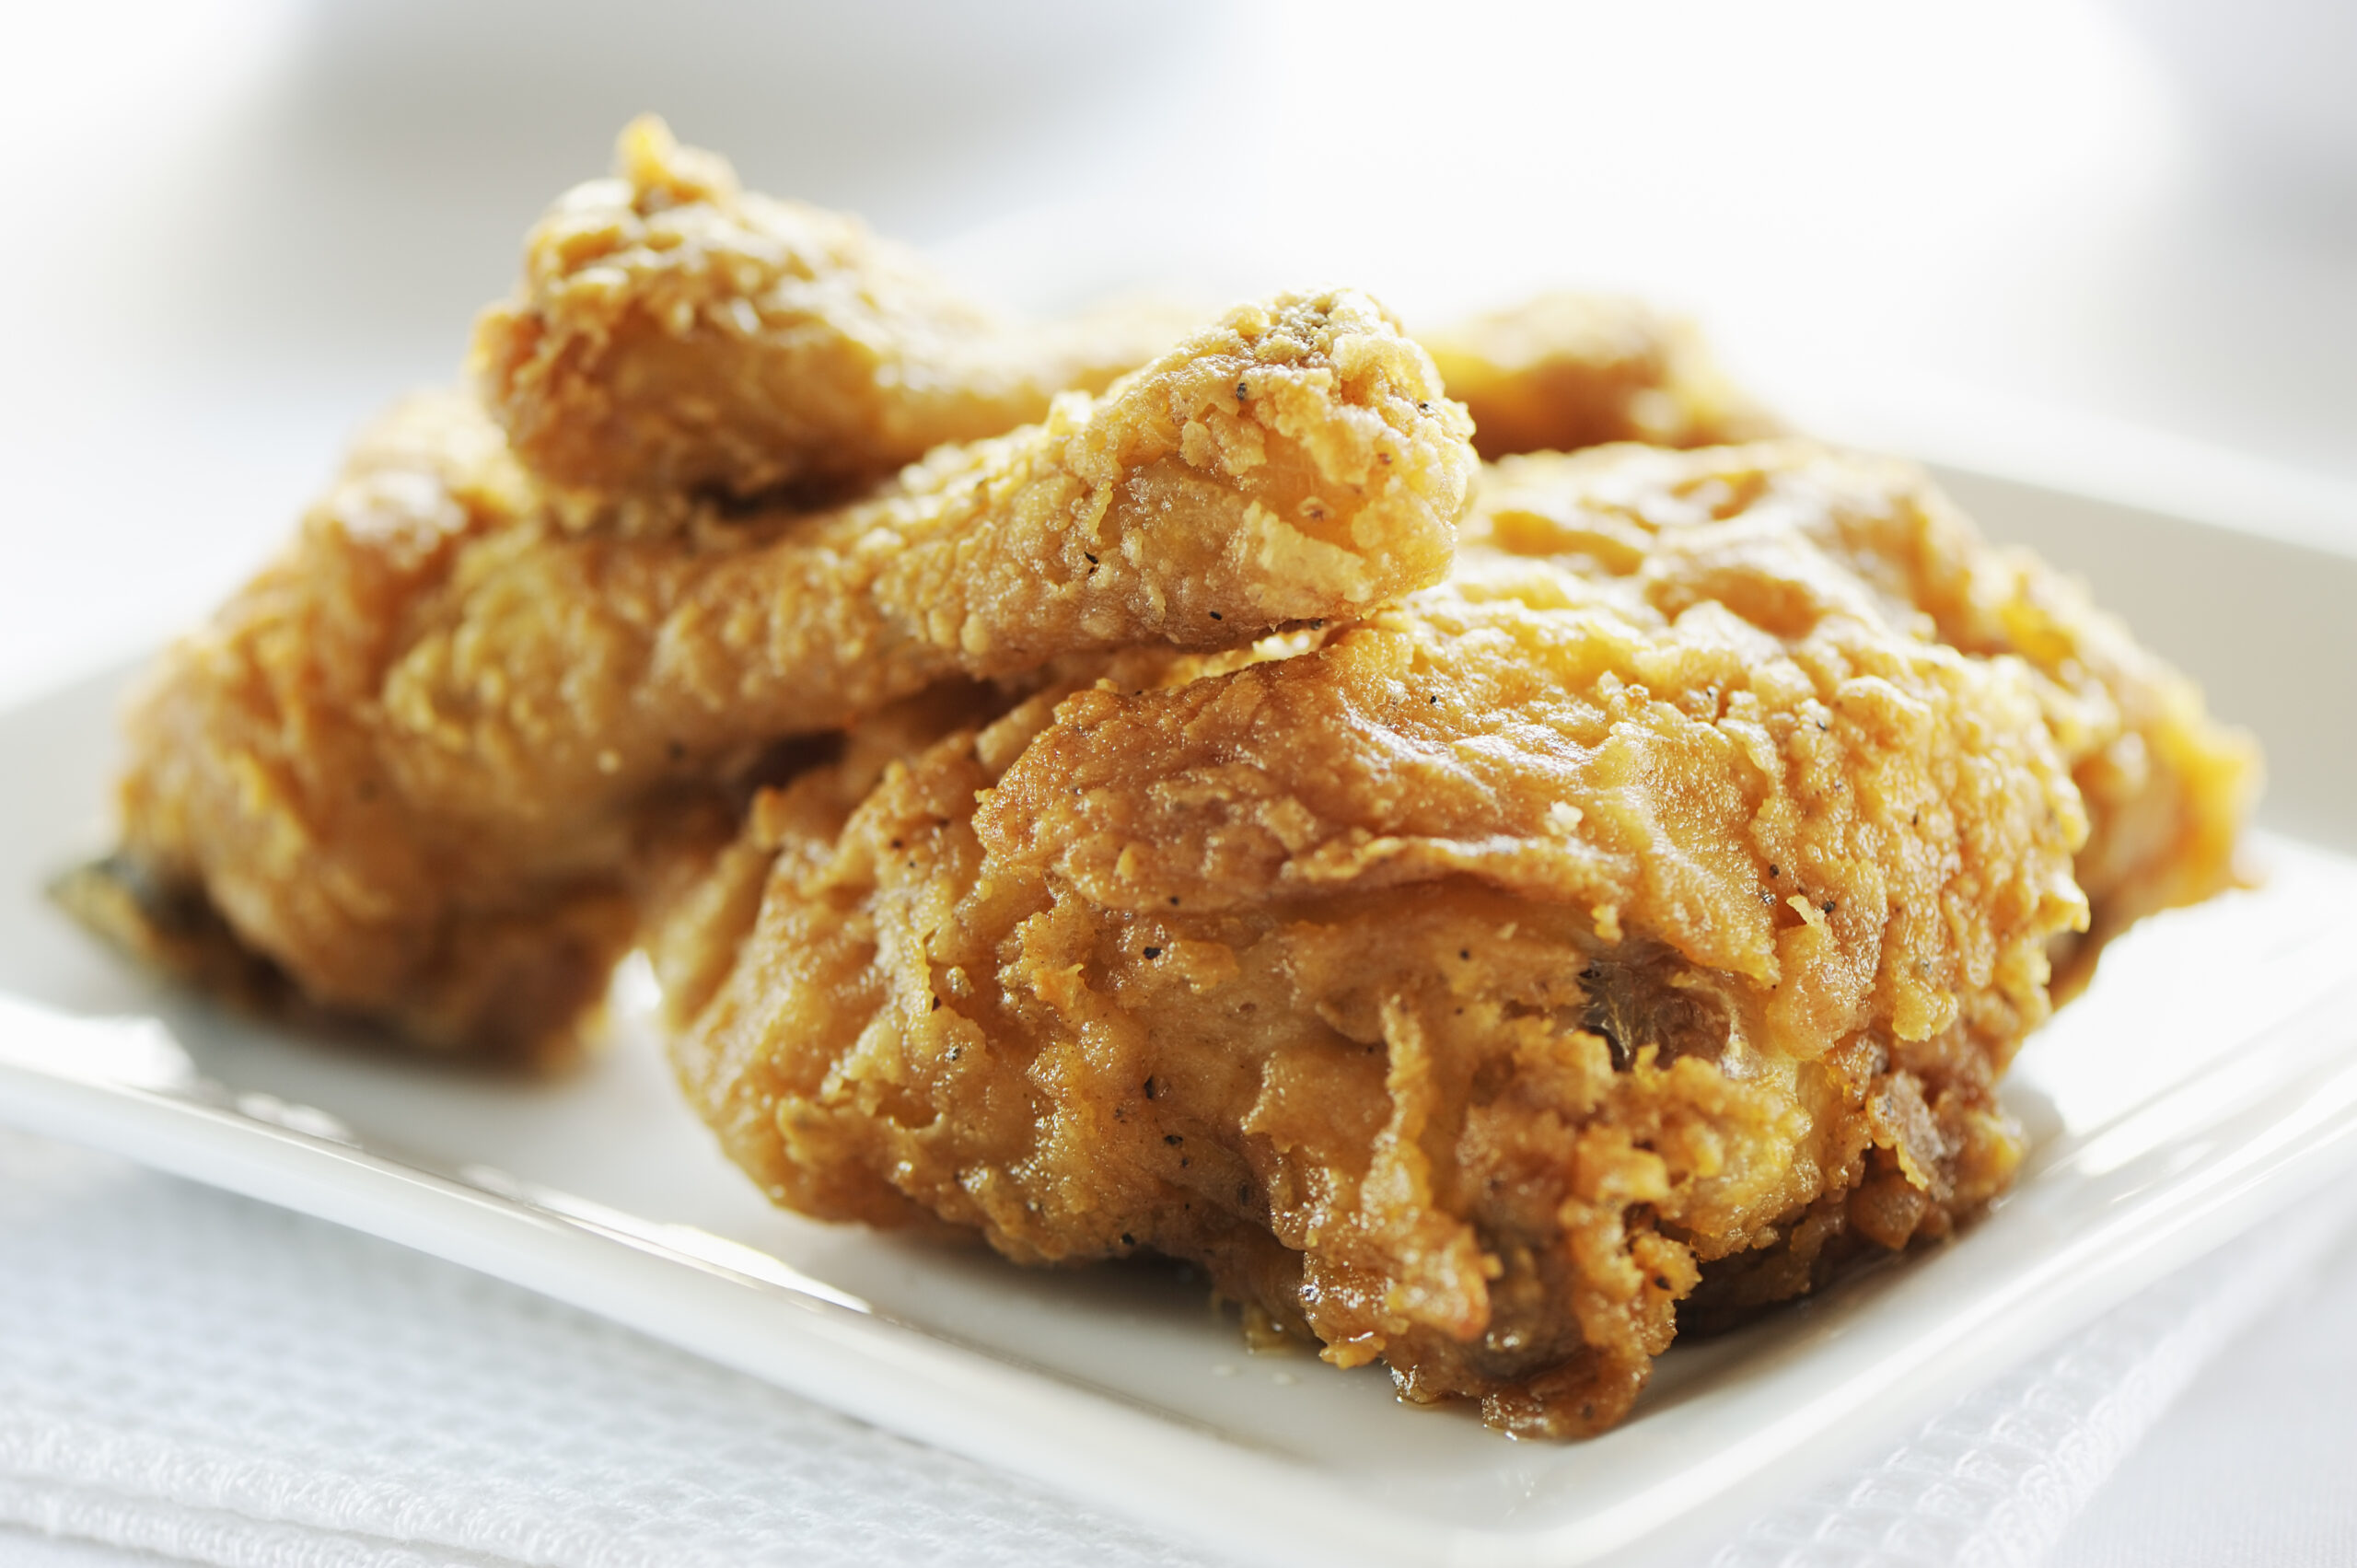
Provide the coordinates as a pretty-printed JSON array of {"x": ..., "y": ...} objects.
[
  {"x": 2165, "y": 788},
  {"x": 1565, "y": 371},
  {"x": 1654, "y": 904},
  {"x": 676, "y": 334},
  {"x": 673, "y": 332},
  {"x": 263, "y": 827},
  {"x": 414, "y": 763}
]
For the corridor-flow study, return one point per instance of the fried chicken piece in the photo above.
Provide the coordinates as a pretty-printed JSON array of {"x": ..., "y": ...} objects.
[
  {"x": 2166, "y": 789},
  {"x": 1565, "y": 371},
  {"x": 264, "y": 836},
  {"x": 1658, "y": 899},
  {"x": 676, "y": 334},
  {"x": 414, "y": 763}
]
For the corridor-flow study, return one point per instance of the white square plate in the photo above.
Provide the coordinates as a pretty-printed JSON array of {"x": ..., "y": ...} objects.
[{"x": 2207, "y": 1080}]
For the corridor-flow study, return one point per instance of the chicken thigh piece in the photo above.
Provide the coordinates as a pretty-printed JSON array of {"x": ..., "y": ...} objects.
[{"x": 1614, "y": 936}]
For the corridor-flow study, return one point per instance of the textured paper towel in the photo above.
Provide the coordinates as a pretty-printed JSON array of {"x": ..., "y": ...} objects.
[
  {"x": 203, "y": 1377},
  {"x": 1995, "y": 1481},
  {"x": 2252, "y": 1468}
]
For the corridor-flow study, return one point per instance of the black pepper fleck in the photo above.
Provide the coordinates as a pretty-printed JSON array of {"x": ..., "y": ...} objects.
[
  {"x": 1150, "y": 1091},
  {"x": 1173, "y": 1139},
  {"x": 1154, "y": 952}
]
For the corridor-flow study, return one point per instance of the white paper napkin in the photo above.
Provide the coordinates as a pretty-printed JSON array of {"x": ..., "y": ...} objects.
[
  {"x": 208, "y": 1378},
  {"x": 1995, "y": 1481}
]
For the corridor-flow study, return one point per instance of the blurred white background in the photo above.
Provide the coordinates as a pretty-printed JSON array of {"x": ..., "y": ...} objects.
[{"x": 234, "y": 228}]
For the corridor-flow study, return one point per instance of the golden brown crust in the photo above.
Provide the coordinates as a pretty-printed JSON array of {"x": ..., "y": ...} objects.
[
  {"x": 259, "y": 800},
  {"x": 1290, "y": 463},
  {"x": 414, "y": 763},
  {"x": 673, "y": 332},
  {"x": 1565, "y": 371},
  {"x": 1650, "y": 907},
  {"x": 2165, "y": 788}
]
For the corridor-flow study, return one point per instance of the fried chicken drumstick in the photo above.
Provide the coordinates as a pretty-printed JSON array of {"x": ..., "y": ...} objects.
[
  {"x": 411, "y": 763},
  {"x": 673, "y": 332},
  {"x": 1627, "y": 928}
]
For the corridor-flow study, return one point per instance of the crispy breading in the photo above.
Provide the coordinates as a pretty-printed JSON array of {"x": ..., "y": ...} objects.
[
  {"x": 1618, "y": 931},
  {"x": 2165, "y": 788},
  {"x": 262, "y": 824},
  {"x": 413, "y": 762},
  {"x": 673, "y": 332},
  {"x": 1564, "y": 371}
]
